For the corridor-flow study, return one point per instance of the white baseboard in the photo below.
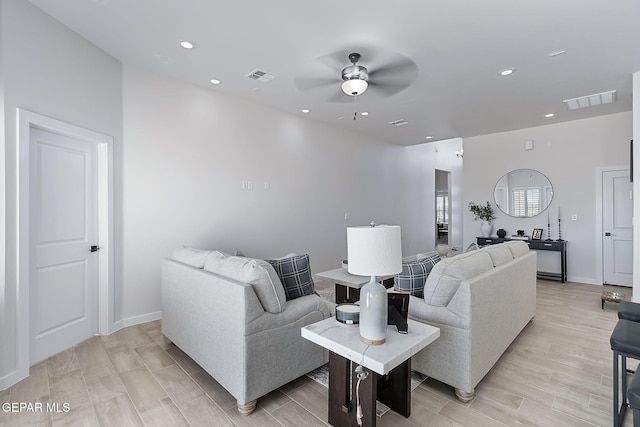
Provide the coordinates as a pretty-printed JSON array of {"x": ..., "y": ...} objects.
[
  {"x": 11, "y": 379},
  {"x": 136, "y": 320}
]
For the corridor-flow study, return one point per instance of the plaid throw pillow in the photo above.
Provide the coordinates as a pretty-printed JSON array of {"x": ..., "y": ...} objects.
[
  {"x": 414, "y": 274},
  {"x": 295, "y": 274}
]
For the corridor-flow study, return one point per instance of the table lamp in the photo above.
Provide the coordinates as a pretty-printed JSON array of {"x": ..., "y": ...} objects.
[{"x": 374, "y": 250}]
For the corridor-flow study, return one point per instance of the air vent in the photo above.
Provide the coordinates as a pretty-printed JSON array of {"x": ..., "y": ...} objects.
[
  {"x": 399, "y": 122},
  {"x": 261, "y": 76},
  {"x": 590, "y": 100}
]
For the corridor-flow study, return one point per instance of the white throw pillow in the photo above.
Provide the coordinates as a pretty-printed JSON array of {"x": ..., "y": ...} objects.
[{"x": 256, "y": 272}]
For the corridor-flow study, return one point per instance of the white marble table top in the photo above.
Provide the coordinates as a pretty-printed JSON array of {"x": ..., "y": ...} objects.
[
  {"x": 342, "y": 277},
  {"x": 345, "y": 341}
]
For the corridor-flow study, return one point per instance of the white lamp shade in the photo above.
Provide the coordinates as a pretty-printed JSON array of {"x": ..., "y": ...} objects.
[
  {"x": 374, "y": 251},
  {"x": 354, "y": 87}
]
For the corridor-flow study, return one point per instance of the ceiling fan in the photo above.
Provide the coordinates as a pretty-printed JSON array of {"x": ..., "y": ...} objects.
[{"x": 392, "y": 76}]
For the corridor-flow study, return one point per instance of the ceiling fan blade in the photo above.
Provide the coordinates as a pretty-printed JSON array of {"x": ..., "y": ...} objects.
[
  {"x": 308, "y": 83},
  {"x": 388, "y": 89},
  {"x": 400, "y": 68},
  {"x": 340, "y": 96}
]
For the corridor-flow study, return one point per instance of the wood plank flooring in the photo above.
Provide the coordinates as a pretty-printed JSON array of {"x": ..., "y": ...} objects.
[{"x": 558, "y": 372}]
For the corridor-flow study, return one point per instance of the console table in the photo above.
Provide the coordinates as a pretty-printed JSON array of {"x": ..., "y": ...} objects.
[{"x": 538, "y": 245}]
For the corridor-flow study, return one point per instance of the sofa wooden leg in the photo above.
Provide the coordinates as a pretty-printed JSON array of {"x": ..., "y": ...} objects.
[
  {"x": 247, "y": 408},
  {"x": 465, "y": 396}
]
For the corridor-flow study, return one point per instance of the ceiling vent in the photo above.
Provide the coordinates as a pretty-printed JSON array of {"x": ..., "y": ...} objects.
[
  {"x": 261, "y": 76},
  {"x": 399, "y": 122},
  {"x": 590, "y": 100}
]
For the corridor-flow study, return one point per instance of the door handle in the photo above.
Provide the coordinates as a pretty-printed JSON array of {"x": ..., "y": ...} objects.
[
  {"x": 94, "y": 248},
  {"x": 609, "y": 234}
]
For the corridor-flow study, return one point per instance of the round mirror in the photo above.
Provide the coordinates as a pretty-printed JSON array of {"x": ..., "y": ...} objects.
[{"x": 523, "y": 193}]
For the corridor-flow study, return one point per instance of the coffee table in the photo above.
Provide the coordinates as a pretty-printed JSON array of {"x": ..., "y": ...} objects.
[
  {"x": 348, "y": 285},
  {"x": 389, "y": 367}
]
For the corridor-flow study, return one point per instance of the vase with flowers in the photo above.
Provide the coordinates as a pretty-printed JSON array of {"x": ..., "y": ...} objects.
[{"x": 484, "y": 213}]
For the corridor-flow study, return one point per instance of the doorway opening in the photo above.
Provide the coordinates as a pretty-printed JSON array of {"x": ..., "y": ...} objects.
[{"x": 443, "y": 206}]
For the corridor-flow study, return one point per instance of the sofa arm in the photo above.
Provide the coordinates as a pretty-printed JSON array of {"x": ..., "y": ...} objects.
[
  {"x": 421, "y": 311},
  {"x": 294, "y": 310}
]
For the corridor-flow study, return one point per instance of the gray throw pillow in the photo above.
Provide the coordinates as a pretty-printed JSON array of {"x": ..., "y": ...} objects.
[
  {"x": 295, "y": 274},
  {"x": 414, "y": 274}
]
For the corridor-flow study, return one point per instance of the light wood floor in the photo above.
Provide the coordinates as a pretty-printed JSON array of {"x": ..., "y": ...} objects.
[{"x": 558, "y": 372}]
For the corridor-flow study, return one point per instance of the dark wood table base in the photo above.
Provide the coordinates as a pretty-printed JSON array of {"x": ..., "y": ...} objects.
[{"x": 393, "y": 389}]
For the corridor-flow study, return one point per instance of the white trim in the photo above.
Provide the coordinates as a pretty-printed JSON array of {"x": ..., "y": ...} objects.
[
  {"x": 143, "y": 318},
  {"x": 26, "y": 120},
  {"x": 599, "y": 218}
]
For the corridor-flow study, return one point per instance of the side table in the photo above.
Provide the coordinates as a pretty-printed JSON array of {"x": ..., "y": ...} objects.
[
  {"x": 389, "y": 366},
  {"x": 348, "y": 285}
]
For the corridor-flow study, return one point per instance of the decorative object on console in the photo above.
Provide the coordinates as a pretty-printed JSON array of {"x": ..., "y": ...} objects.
[
  {"x": 501, "y": 233},
  {"x": 374, "y": 251},
  {"x": 537, "y": 234},
  {"x": 549, "y": 239},
  {"x": 560, "y": 239},
  {"x": 486, "y": 214},
  {"x": 442, "y": 249}
]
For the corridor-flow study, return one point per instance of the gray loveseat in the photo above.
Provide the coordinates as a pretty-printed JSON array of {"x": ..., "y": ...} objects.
[
  {"x": 481, "y": 301},
  {"x": 246, "y": 336}
]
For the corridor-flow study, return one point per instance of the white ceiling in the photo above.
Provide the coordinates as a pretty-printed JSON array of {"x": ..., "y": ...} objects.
[{"x": 458, "y": 48}]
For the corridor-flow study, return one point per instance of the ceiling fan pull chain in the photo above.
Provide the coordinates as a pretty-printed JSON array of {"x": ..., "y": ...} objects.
[{"x": 354, "y": 108}]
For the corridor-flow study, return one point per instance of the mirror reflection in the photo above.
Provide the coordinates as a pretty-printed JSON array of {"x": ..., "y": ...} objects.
[{"x": 523, "y": 193}]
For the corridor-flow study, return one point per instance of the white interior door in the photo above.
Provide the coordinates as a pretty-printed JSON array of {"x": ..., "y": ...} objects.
[
  {"x": 64, "y": 226},
  {"x": 617, "y": 207}
]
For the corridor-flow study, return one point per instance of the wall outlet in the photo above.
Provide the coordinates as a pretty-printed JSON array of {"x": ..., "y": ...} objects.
[{"x": 574, "y": 217}]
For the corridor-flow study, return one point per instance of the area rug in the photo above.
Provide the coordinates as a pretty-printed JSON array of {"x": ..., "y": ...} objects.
[{"x": 321, "y": 375}]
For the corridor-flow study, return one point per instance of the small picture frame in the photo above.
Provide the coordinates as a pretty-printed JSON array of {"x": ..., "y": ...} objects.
[{"x": 537, "y": 234}]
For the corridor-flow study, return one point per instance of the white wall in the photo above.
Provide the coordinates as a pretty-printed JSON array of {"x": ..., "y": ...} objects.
[
  {"x": 421, "y": 161},
  {"x": 49, "y": 70},
  {"x": 187, "y": 151},
  {"x": 569, "y": 154}
]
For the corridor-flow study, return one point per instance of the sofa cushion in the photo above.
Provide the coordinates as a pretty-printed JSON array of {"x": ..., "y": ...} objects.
[
  {"x": 517, "y": 248},
  {"x": 294, "y": 272},
  {"x": 500, "y": 254},
  {"x": 256, "y": 272},
  {"x": 446, "y": 276},
  {"x": 190, "y": 256},
  {"x": 414, "y": 275}
]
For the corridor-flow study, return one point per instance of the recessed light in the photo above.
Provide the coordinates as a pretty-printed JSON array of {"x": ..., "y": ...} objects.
[
  {"x": 364, "y": 113},
  {"x": 215, "y": 81},
  {"x": 428, "y": 137},
  {"x": 507, "y": 71},
  {"x": 306, "y": 110},
  {"x": 187, "y": 45},
  {"x": 549, "y": 115}
]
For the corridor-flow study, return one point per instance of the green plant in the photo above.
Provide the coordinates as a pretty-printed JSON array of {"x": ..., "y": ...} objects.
[{"x": 485, "y": 213}]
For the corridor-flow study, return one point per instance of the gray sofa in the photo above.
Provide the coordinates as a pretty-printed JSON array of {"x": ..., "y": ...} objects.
[
  {"x": 481, "y": 301},
  {"x": 243, "y": 333}
]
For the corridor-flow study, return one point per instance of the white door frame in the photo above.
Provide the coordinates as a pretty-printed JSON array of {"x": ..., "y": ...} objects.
[
  {"x": 599, "y": 218},
  {"x": 104, "y": 145}
]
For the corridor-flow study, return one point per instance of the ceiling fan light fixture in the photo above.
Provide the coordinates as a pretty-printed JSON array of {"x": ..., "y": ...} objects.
[{"x": 354, "y": 87}]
